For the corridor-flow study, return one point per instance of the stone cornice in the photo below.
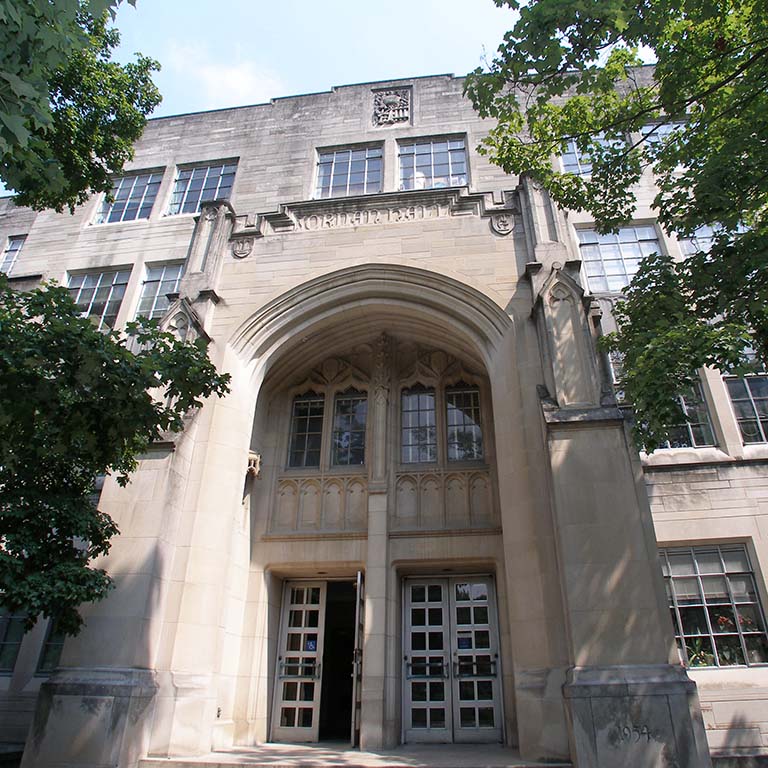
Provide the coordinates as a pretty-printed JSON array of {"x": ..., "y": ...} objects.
[{"x": 377, "y": 209}]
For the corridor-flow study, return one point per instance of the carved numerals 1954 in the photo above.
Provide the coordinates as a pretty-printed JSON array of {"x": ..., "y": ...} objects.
[{"x": 632, "y": 734}]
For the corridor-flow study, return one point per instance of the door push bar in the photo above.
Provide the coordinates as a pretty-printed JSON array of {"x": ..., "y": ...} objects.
[
  {"x": 305, "y": 668},
  {"x": 485, "y": 668},
  {"x": 426, "y": 669}
]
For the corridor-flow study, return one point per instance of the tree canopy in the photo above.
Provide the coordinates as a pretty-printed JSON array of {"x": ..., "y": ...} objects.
[
  {"x": 75, "y": 403},
  {"x": 68, "y": 114},
  {"x": 571, "y": 73}
]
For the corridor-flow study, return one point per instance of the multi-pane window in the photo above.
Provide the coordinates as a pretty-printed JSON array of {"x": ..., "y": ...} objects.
[
  {"x": 465, "y": 438},
  {"x": 696, "y": 432},
  {"x": 159, "y": 282},
  {"x": 612, "y": 260},
  {"x": 132, "y": 198},
  {"x": 11, "y": 253},
  {"x": 577, "y": 162},
  {"x": 749, "y": 397},
  {"x": 712, "y": 595},
  {"x": 12, "y": 632},
  {"x": 348, "y": 436},
  {"x": 344, "y": 172},
  {"x": 51, "y": 651},
  {"x": 432, "y": 163},
  {"x": 306, "y": 431},
  {"x": 701, "y": 240},
  {"x": 418, "y": 427},
  {"x": 98, "y": 295},
  {"x": 659, "y": 132},
  {"x": 194, "y": 186}
]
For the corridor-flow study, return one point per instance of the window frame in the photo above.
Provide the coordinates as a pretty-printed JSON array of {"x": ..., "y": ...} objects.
[
  {"x": 350, "y": 148},
  {"x": 707, "y": 604},
  {"x": 163, "y": 266},
  {"x": 351, "y": 393},
  {"x": 441, "y": 386},
  {"x": 127, "y": 271},
  {"x": 762, "y": 429},
  {"x": 581, "y": 162},
  {"x": 105, "y": 208},
  {"x": 597, "y": 242},
  {"x": 53, "y": 639},
  {"x": 327, "y": 394},
  {"x": 616, "y": 367},
  {"x": 453, "y": 137},
  {"x": 11, "y": 252},
  {"x": 192, "y": 167},
  {"x": 7, "y": 621}
]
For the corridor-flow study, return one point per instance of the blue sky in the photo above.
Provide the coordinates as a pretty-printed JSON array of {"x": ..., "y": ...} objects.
[{"x": 232, "y": 52}]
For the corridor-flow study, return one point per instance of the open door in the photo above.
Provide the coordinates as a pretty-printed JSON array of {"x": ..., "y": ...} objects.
[{"x": 357, "y": 661}]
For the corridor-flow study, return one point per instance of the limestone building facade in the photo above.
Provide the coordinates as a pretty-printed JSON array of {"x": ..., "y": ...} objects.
[{"x": 418, "y": 515}]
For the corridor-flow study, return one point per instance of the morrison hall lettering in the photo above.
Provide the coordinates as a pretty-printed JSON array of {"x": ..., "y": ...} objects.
[{"x": 342, "y": 219}]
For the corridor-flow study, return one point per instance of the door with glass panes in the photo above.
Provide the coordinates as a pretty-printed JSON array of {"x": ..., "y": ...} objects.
[
  {"x": 299, "y": 662},
  {"x": 451, "y": 675}
]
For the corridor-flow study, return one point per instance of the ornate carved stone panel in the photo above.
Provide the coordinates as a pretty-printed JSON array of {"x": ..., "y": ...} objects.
[
  {"x": 323, "y": 505},
  {"x": 392, "y": 106},
  {"x": 443, "y": 500}
]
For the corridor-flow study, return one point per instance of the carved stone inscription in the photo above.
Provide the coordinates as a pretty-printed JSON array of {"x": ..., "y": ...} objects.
[{"x": 347, "y": 219}]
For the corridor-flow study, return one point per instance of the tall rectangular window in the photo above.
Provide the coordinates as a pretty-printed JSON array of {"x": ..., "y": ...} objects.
[
  {"x": 159, "y": 282},
  {"x": 577, "y": 162},
  {"x": 749, "y": 397},
  {"x": 11, "y": 253},
  {"x": 344, "y": 172},
  {"x": 348, "y": 438},
  {"x": 696, "y": 432},
  {"x": 713, "y": 599},
  {"x": 701, "y": 240},
  {"x": 12, "y": 632},
  {"x": 432, "y": 163},
  {"x": 132, "y": 198},
  {"x": 465, "y": 437},
  {"x": 98, "y": 295},
  {"x": 306, "y": 431},
  {"x": 612, "y": 260},
  {"x": 419, "y": 432},
  {"x": 51, "y": 650},
  {"x": 194, "y": 186}
]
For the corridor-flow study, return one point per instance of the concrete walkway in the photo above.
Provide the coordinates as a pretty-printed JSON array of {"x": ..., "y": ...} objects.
[{"x": 338, "y": 754}]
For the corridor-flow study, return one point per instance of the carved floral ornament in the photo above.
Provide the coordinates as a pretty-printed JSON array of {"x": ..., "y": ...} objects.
[
  {"x": 436, "y": 365},
  {"x": 333, "y": 370},
  {"x": 392, "y": 106}
]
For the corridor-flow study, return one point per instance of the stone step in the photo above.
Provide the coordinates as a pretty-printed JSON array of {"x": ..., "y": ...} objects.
[{"x": 340, "y": 756}]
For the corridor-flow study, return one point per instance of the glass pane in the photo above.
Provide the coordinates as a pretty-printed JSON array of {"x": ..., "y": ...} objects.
[
  {"x": 729, "y": 650},
  {"x": 418, "y": 718},
  {"x": 418, "y": 691},
  {"x": 699, "y": 652}
]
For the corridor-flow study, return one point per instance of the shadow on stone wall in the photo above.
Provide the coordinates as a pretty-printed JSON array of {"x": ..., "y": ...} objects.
[{"x": 97, "y": 707}]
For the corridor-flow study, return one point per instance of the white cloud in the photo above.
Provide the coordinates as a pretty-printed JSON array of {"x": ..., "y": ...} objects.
[{"x": 239, "y": 80}]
